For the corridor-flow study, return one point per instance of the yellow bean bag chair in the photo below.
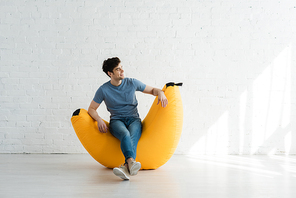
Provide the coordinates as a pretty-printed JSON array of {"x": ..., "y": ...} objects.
[{"x": 162, "y": 129}]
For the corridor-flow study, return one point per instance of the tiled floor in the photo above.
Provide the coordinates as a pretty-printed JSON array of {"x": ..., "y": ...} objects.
[{"x": 79, "y": 175}]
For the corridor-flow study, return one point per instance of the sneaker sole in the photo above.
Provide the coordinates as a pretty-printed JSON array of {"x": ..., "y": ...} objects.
[
  {"x": 135, "y": 168},
  {"x": 120, "y": 174}
]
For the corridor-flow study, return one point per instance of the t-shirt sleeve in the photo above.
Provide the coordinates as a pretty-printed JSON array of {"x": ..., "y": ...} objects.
[
  {"x": 139, "y": 85},
  {"x": 99, "y": 97}
]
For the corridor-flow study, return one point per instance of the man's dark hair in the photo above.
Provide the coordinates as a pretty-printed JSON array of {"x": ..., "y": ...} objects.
[{"x": 110, "y": 64}]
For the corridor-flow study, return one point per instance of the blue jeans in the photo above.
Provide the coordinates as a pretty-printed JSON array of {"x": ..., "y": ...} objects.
[{"x": 128, "y": 131}]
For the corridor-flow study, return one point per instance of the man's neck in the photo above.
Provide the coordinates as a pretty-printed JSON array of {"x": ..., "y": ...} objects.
[{"x": 116, "y": 83}]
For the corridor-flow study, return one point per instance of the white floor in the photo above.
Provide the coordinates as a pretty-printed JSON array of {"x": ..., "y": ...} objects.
[{"x": 79, "y": 175}]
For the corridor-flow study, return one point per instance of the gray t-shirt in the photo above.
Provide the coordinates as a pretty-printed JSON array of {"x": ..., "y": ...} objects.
[{"x": 121, "y": 101}]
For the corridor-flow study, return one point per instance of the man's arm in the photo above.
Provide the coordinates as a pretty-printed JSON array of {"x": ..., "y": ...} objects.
[
  {"x": 157, "y": 92},
  {"x": 92, "y": 111}
]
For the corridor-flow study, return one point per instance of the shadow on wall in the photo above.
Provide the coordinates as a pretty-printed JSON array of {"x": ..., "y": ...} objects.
[
  {"x": 260, "y": 123},
  {"x": 244, "y": 98}
]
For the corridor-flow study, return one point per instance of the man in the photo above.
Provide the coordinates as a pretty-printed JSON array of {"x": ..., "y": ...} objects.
[{"x": 125, "y": 124}]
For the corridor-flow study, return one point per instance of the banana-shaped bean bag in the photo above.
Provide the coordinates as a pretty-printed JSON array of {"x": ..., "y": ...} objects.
[{"x": 162, "y": 129}]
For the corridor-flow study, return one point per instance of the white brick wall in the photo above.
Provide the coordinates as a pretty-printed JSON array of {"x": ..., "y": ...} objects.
[{"x": 236, "y": 59}]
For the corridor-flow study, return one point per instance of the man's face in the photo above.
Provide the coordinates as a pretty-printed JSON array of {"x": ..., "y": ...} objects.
[{"x": 118, "y": 73}]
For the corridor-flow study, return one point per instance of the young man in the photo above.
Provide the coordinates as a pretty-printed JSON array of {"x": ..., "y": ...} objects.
[{"x": 125, "y": 124}]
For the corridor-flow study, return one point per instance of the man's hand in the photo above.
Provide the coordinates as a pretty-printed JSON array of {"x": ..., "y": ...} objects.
[
  {"x": 92, "y": 111},
  {"x": 157, "y": 92},
  {"x": 162, "y": 99},
  {"x": 102, "y": 126}
]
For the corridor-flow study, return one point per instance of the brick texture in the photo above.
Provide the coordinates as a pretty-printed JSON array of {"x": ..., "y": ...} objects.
[{"x": 235, "y": 58}]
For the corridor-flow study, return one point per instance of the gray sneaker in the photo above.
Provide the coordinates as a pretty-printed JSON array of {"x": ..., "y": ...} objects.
[
  {"x": 121, "y": 172},
  {"x": 134, "y": 167}
]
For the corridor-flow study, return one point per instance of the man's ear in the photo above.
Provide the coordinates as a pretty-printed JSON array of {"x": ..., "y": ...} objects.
[{"x": 109, "y": 74}]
